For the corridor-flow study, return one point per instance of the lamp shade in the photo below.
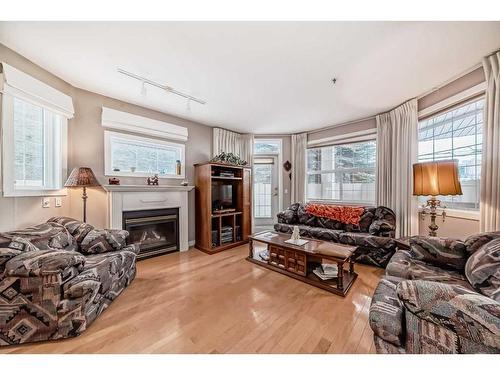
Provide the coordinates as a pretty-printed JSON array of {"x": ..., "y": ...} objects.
[
  {"x": 436, "y": 178},
  {"x": 82, "y": 177}
]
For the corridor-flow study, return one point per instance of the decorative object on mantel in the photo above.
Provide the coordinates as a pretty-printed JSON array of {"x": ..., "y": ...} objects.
[
  {"x": 178, "y": 167},
  {"x": 153, "y": 180},
  {"x": 82, "y": 177},
  {"x": 114, "y": 181},
  {"x": 228, "y": 158},
  {"x": 435, "y": 178}
]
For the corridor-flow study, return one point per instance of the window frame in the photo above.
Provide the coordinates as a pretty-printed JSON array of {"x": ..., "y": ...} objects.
[
  {"x": 279, "y": 154},
  {"x": 333, "y": 171},
  {"x": 108, "y": 170},
  {"x": 55, "y": 149},
  {"x": 469, "y": 95}
]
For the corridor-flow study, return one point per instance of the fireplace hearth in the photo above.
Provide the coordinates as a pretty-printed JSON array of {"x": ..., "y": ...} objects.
[{"x": 155, "y": 231}]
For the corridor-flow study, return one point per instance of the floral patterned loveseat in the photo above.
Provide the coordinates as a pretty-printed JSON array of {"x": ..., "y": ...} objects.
[
  {"x": 374, "y": 236},
  {"x": 440, "y": 295},
  {"x": 56, "y": 278}
]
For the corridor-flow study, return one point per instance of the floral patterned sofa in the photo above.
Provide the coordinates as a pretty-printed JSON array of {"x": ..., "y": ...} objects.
[
  {"x": 56, "y": 278},
  {"x": 374, "y": 235},
  {"x": 440, "y": 295}
]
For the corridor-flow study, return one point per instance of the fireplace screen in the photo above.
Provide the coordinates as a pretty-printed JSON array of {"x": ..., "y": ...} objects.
[{"x": 155, "y": 231}]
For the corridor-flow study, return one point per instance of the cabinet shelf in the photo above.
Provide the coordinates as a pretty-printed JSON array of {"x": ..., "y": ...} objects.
[{"x": 227, "y": 178}]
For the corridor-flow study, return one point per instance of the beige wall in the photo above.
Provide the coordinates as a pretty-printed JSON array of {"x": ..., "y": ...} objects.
[
  {"x": 86, "y": 148},
  {"x": 24, "y": 211},
  {"x": 86, "y": 137}
]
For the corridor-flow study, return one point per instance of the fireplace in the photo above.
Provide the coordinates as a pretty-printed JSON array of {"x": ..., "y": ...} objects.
[{"x": 155, "y": 231}]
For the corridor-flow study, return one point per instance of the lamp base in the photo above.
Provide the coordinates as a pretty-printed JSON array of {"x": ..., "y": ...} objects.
[{"x": 433, "y": 204}]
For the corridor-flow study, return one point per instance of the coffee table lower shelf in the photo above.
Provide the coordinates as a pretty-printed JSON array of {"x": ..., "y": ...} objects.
[{"x": 312, "y": 279}]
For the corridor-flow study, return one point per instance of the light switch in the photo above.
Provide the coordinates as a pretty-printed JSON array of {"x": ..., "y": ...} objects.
[
  {"x": 58, "y": 202},
  {"x": 45, "y": 202}
]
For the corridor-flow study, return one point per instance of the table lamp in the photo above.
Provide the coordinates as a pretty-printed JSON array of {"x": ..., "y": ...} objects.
[
  {"x": 82, "y": 177},
  {"x": 436, "y": 178}
]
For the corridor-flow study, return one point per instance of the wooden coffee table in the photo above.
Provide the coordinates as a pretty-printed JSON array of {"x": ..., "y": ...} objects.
[{"x": 299, "y": 261}]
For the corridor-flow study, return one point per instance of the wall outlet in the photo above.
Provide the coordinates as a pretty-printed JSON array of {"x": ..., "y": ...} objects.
[
  {"x": 45, "y": 202},
  {"x": 58, "y": 202}
]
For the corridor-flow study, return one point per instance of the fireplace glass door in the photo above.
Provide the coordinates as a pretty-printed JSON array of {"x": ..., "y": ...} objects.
[{"x": 155, "y": 231}]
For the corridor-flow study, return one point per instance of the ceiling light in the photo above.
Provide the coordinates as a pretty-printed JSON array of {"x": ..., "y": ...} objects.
[{"x": 160, "y": 86}]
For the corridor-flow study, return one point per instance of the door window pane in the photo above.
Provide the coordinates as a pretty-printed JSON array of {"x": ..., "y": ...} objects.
[{"x": 262, "y": 190}]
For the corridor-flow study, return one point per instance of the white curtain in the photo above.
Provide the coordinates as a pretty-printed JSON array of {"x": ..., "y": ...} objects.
[
  {"x": 490, "y": 168},
  {"x": 396, "y": 153},
  {"x": 238, "y": 144},
  {"x": 299, "y": 176}
]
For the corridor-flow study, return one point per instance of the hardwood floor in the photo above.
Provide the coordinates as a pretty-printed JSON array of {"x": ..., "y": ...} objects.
[{"x": 197, "y": 303}]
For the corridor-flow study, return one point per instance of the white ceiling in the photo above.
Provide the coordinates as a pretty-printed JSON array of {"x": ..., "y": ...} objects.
[{"x": 260, "y": 77}]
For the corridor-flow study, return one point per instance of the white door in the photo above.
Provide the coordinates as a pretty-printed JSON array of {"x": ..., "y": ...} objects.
[{"x": 265, "y": 191}]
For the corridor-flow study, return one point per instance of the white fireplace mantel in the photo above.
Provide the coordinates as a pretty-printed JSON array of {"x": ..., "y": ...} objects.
[{"x": 142, "y": 197}]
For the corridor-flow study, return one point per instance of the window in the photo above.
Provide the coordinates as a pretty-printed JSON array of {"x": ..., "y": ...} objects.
[
  {"x": 262, "y": 190},
  {"x": 33, "y": 148},
  {"x": 456, "y": 134},
  {"x": 128, "y": 155},
  {"x": 342, "y": 173},
  {"x": 267, "y": 146}
]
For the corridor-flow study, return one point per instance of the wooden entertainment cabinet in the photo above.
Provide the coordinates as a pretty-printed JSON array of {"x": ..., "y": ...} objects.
[{"x": 223, "y": 206}]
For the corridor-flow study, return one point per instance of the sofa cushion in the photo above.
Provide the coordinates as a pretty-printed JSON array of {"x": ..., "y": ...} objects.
[
  {"x": 443, "y": 252},
  {"x": 403, "y": 265},
  {"x": 366, "y": 240},
  {"x": 100, "y": 273},
  {"x": 387, "y": 312},
  {"x": 325, "y": 234},
  {"x": 477, "y": 241},
  {"x": 483, "y": 269},
  {"x": 304, "y": 217},
  {"x": 446, "y": 318},
  {"x": 46, "y": 236},
  {"x": 78, "y": 229},
  {"x": 384, "y": 222},
  {"x": 324, "y": 222},
  {"x": 103, "y": 241}
]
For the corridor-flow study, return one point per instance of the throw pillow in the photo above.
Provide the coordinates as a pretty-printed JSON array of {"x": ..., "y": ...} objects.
[
  {"x": 483, "y": 269},
  {"x": 103, "y": 241}
]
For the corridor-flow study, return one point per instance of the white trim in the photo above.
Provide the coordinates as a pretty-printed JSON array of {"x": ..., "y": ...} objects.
[
  {"x": 191, "y": 243},
  {"x": 108, "y": 171},
  {"x": 359, "y": 136},
  {"x": 452, "y": 100},
  {"x": 17, "y": 83},
  {"x": 118, "y": 120}
]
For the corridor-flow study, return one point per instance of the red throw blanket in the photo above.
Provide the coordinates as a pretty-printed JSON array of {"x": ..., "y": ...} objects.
[{"x": 344, "y": 214}]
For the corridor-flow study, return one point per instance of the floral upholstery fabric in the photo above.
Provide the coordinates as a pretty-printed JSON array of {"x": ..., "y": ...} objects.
[
  {"x": 449, "y": 319},
  {"x": 375, "y": 246},
  {"x": 442, "y": 309},
  {"x": 443, "y": 252},
  {"x": 52, "y": 291},
  {"x": 483, "y": 269},
  {"x": 344, "y": 214}
]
